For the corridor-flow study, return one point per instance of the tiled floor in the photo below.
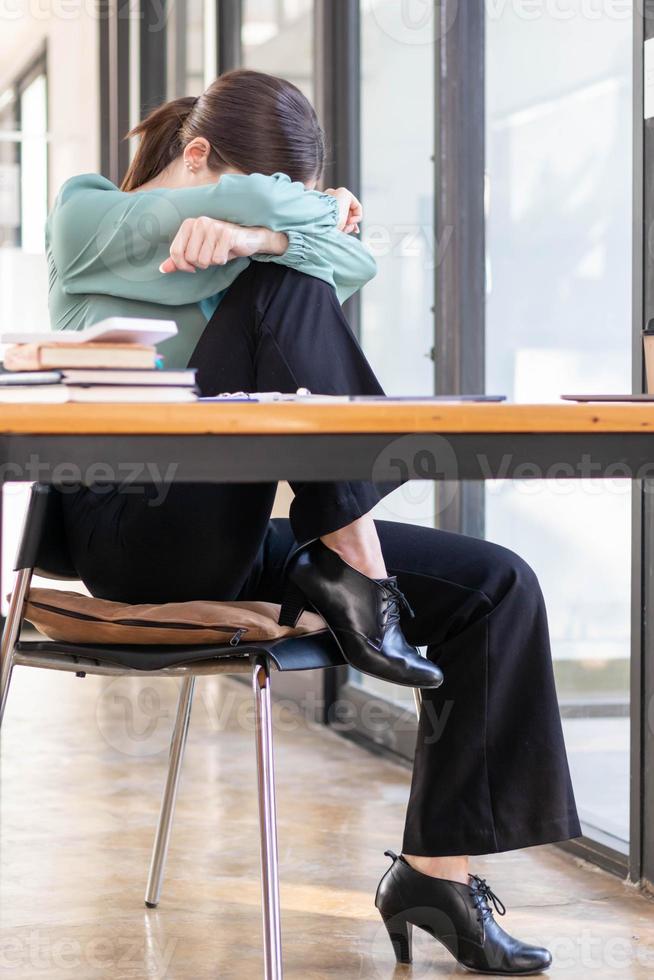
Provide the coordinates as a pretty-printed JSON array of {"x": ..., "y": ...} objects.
[{"x": 83, "y": 766}]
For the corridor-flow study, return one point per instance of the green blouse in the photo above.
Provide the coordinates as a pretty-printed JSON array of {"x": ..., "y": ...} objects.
[{"x": 104, "y": 248}]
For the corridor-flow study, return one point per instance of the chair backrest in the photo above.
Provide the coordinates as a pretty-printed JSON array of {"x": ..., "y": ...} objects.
[{"x": 43, "y": 544}]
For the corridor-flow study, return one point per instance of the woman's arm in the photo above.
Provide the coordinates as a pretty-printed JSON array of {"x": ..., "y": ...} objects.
[
  {"x": 105, "y": 241},
  {"x": 334, "y": 257}
]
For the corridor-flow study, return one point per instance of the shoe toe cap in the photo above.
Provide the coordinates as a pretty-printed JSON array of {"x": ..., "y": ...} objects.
[{"x": 534, "y": 959}]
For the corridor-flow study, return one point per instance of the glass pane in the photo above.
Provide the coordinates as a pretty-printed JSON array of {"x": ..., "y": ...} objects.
[
  {"x": 186, "y": 48},
  {"x": 277, "y": 38},
  {"x": 397, "y": 329},
  {"x": 9, "y": 172},
  {"x": 398, "y": 196},
  {"x": 559, "y": 118},
  {"x": 33, "y": 166}
]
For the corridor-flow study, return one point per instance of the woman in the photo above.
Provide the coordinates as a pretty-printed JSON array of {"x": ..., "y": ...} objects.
[{"x": 218, "y": 224}]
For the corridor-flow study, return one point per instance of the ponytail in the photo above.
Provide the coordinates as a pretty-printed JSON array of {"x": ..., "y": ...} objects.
[
  {"x": 161, "y": 141},
  {"x": 254, "y": 123}
]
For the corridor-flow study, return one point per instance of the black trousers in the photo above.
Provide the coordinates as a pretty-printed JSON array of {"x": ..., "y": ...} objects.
[{"x": 490, "y": 770}]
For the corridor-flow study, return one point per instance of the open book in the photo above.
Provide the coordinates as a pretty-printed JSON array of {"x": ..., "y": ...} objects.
[{"x": 115, "y": 330}]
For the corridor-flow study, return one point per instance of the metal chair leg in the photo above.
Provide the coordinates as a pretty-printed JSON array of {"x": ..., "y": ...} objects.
[
  {"x": 417, "y": 697},
  {"x": 162, "y": 838},
  {"x": 268, "y": 823},
  {"x": 11, "y": 633}
]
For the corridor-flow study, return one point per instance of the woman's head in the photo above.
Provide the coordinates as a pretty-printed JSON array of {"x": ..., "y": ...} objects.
[{"x": 245, "y": 122}]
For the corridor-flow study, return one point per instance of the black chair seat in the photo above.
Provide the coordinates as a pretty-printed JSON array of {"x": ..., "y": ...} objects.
[{"x": 317, "y": 651}]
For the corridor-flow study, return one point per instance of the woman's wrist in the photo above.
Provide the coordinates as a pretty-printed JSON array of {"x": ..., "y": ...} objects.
[{"x": 272, "y": 242}]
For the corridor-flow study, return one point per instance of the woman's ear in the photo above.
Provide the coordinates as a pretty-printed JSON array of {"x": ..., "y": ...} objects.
[{"x": 196, "y": 155}]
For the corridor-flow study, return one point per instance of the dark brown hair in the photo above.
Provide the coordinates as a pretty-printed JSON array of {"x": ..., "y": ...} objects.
[{"x": 254, "y": 123}]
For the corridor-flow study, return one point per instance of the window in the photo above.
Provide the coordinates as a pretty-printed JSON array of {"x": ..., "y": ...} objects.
[
  {"x": 24, "y": 161},
  {"x": 559, "y": 139},
  {"x": 33, "y": 114},
  {"x": 186, "y": 54},
  {"x": 9, "y": 170},
  {"x": 277, "y": 37},
  {"x": 398, "y": 191}
]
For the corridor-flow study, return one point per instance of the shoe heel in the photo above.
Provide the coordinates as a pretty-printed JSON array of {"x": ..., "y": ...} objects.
[
  {"x": 401, "y": 935},
  {"x": 293, "y": 605}
]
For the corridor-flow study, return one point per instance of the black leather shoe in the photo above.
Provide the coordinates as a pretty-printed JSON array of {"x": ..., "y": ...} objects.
[
  {"x": 362, "y": 613},
  {"x": 459, "y": 916}
]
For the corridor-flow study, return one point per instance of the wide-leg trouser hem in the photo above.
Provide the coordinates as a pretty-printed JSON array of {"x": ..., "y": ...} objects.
[
  {"x": 322, "y": 508},
  {"x": 469, "y": 842}
]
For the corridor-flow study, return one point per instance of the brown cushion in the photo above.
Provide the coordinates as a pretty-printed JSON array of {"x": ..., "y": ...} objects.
[{"x": 74, "y": 618}]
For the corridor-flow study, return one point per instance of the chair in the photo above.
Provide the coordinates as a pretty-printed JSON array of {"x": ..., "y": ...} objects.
[{"x": 43, "y": 551}]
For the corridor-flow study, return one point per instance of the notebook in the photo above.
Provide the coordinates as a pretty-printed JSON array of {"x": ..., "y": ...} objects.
[{"x": 608, "y": 398}]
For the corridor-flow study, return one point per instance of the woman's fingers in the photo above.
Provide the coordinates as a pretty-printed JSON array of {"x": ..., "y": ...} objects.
[
  {"x": 220, "y": 255},
  {"x": 203, "y": 232},
  {"x": 168, "y": 266},
  {"x": 202, "y": 242},
  {"x": 350, "y": 208},
  {"x": 344, "y": 199},
  {"x": 354, "y": 217},
  {"x": 207, "y": 248},
  {"x": 356, "y": 210},
  {"x": 179, "y": 248}
]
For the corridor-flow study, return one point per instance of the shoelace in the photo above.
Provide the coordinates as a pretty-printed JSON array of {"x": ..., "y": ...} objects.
[
  {"x": 396, "y": 601},
  {"x": 483, "y": 894}
]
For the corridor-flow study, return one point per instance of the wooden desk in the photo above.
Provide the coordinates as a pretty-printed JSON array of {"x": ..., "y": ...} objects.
[
  {"x": 284, "y": 417},
  {"x": 381, "y": 440}
]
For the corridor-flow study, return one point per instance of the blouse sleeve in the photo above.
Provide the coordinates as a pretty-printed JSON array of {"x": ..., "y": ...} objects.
[{"x": 106, "y": 241}]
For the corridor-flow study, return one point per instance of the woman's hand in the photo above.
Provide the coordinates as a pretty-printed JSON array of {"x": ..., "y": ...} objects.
[
  {"x": 202, "y": 242},
  {"x": 350, "y": 208}
]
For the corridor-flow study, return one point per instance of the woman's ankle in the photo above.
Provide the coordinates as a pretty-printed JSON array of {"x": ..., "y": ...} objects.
[
  {"x": 359, "y": 546},
  {"x": 454, "y": 868}
]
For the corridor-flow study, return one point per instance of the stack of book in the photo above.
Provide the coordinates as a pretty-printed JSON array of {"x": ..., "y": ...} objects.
[{"x": 113, "y": 361}]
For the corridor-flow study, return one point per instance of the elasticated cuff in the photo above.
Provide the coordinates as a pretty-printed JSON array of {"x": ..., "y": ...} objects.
[{"x": 295, "y": 253}]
